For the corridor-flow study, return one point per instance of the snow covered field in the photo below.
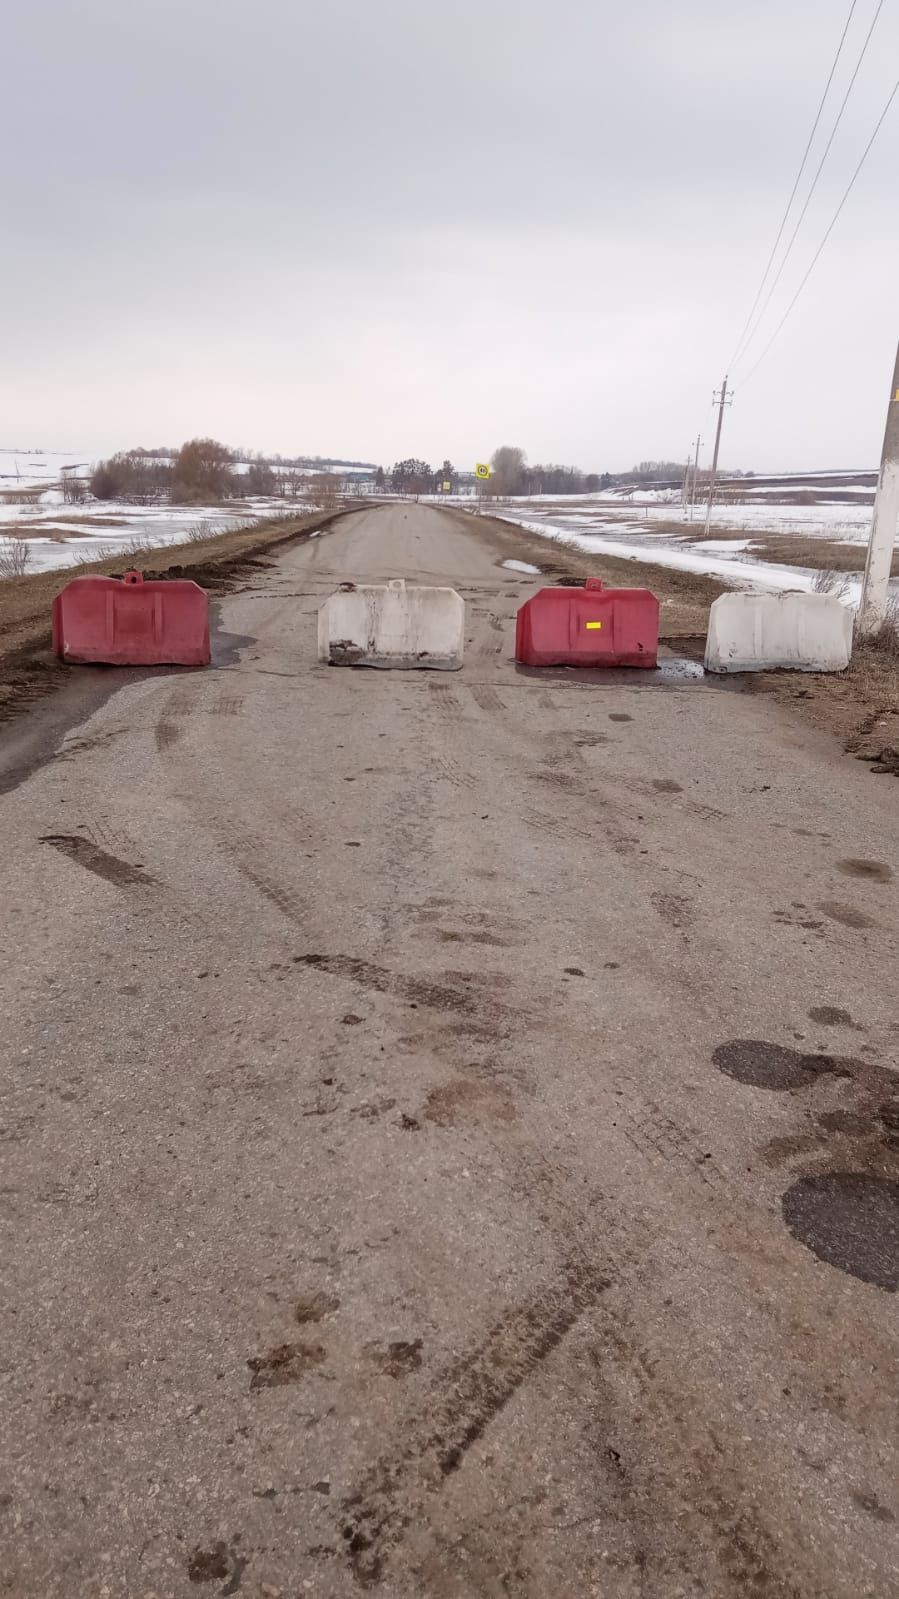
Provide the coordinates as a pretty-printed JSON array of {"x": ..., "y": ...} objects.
[
  {"x": 849, "y": 524},
  {"x": 730, "y": 560},
  {"x": 60, "y": 532},
  {"x": 59, "y": 536}
]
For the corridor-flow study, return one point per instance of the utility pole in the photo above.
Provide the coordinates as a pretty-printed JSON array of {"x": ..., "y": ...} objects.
[
  {"x": 695, "y": 478},
  {"x": 721, "y": 401},
  {"x": 873, "y": 608}
]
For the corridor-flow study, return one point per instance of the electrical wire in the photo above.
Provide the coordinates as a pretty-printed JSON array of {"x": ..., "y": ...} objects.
[
  {"x": 833, "y": 222},
  {"x": 789, "y": 250},
  {"x": 793, "y": 191}
]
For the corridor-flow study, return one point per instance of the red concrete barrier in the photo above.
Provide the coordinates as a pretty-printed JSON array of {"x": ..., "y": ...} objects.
[
  {"x": 130, "y": 622},
  {"x": 590, "y": 626}
]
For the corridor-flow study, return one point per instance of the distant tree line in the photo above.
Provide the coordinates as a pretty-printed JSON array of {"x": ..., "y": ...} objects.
[
  {"x": 417, "y": 477},
  {"x": 513, "y": 475},
  {"x": 203, "y": 471}
]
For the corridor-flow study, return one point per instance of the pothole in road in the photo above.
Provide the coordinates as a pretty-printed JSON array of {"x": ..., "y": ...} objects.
[
  {"x": 850, "y": 1221},
  {"x": 773, "y": 1066}
]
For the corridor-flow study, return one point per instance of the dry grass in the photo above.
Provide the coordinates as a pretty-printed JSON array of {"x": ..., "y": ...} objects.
[
  {"x": 14, "y": 557},
  {"x": 875, "y": 663}
]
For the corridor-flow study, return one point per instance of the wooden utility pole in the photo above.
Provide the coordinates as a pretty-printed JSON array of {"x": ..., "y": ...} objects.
[
  {"x": 721, "y": 400},
  {"x": 695, "y": 480},
  {"x": 875, "y": 587}
]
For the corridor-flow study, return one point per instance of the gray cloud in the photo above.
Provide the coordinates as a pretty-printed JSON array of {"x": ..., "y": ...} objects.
[{"x": 390, "y": 228}]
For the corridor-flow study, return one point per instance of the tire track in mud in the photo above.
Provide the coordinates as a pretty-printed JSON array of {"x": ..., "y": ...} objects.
[
  {"x": 458, "y": 997},
  {"x": 166, "y": 734},
  {"x": 235, "y": 843},
  {"x": 689, "y": 1489},
  {"x": 445, "y": 700},
  {"x": 651, "y": 1131},
  {"x": 557, "y": 826},
  {"x": 290, "y": 904},
  {"x": 491, "y": 642},
  {"x": 183, "y": 705},
  {"x": 122, "y": 874},
  {"x": 178, "y": 706},
  {"x": 486, "y": 698},
  {"x": 463, "y": 1399}
]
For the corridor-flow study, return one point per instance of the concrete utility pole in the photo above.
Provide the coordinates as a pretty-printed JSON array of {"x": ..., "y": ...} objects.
[
  {"x": 722, "y": 402},
  {"x": 873, "y": 608},
  {"x": 695, "y": 479}
]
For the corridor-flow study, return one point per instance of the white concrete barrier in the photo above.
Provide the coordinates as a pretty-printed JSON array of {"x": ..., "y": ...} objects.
[
  {"x": 392, "y": 625},
  {"x": 760, "y": 632}
]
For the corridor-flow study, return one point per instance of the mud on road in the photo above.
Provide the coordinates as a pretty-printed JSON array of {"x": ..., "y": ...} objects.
[{"x": 449, "y": 1127}]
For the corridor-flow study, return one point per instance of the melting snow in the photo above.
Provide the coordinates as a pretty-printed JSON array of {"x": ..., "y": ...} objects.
[{"x": 656, "y": 551}]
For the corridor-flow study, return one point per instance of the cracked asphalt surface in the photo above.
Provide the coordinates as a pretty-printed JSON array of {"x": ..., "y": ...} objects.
[{"x": 450, "y": 1127}]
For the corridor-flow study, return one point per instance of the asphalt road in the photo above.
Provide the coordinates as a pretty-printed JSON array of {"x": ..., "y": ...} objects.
[{"x": 393, "y": 1195}]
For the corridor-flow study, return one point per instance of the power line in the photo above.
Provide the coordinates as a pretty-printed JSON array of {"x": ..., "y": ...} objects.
[
  {"x": 835, "y": 218},
  {"x": 789, "y": 250},
  {"x": 783, "y": 223}
]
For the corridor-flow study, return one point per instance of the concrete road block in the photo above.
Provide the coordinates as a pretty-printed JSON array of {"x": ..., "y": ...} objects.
[
  {"x": 760, "y": 632},
  {"x": 390, "y": 625}
]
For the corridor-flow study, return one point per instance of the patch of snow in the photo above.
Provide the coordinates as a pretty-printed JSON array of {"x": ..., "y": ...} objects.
[
  {"x": 522, "y": 566},
  {"x": 657, "y": 552},
  {"x": 56, "y": 542}
]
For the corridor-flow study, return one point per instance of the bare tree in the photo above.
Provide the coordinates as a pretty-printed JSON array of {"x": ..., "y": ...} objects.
[
  {"x": 203, "y": 471},
  {"x": 15, "y": 554},
  {"x": 74, "y": 489},
  {"x": 509, "y": 471},
  {"x": 324, "y": 490},
  {"x": 134, "y": 476}
]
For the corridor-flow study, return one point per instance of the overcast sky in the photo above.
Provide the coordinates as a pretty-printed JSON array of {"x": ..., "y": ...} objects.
[{"x": 378, "y": 228}]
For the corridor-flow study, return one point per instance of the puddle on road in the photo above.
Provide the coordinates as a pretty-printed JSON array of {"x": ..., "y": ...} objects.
[{"x": 851, "y": 1221}]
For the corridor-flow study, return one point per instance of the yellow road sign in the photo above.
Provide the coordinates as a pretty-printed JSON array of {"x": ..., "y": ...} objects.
[
  {"x": 481, "y": 470},
  {"x": 447, "y": 488}
]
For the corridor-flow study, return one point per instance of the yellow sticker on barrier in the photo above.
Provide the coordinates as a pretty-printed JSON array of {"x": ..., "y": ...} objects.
[{"x": 593, "y": 625}]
